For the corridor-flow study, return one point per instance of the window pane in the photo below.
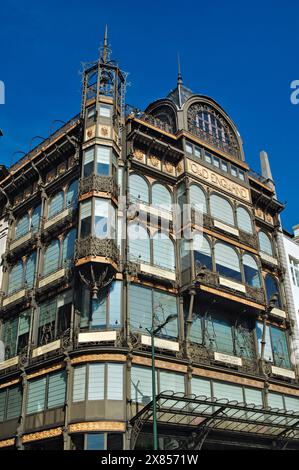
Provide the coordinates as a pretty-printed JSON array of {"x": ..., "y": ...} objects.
[
  {"x": 259, "y": 335},
  {"x": 275, "y": 400},
  {"x": 280, "y": 347},
  {"x": 161, "y": 197},
  {"x": 15, "y": 280},
  {"x": 165, "y": 305},
  {"x": 141, "y": 384},
  {"x": 292, "y": 403},
  {"x": 172, "y": 382},
  {"x": 57, "y": 389},
  {"x": 88, "y": 162},
  {"x": 265, "y": 243},
  {"x": 30, "y": 270},
  {"x": 231, "y": 392},
  {"x": 253, "y": 396},
  {"x": 105, "y": 110},
  {"x": 218, "y": 334},
  {"x": 101, "y": 218},
  {"x": 138, "y": 189},
  {"x": 22, "y": 226},
  {"x": 95, "y": 441},
  {"x": 139, "y": 243},
  {"x": 115, "y": 303},
  {"x": 272, "y": 291},
  {"x": 36, "y": 395},
  {"x": 227, "y": 261},
  {"x": 99, "y": 311},
  {"x": 85, "y": 219},
  {"x": 35, "y": 220},
  {"x": 140, "y": 307},
  {"x": 9, "y": 336},
  {"x": 72, "y": 194},
  {"x": 163, "y": 251},
  {"x": 2, "y": 404},
  {"x": 69, "y": 247},
  {"x": 201, "y": 387},
  {"x": 56, "y": 204},
  {"x": 103, "y": 160},
  {"x": 221, "y": 209},
  {"x": 244, "y": 220},
  {"x": 79, "y": 383},
  {"x": 115, "y": 382},
  {"x": 114, "y": 441},
  {"x": 202, "y": 251},
  {"x": 198, "y": 199},
  {"x": 51, "y": 258},
  {"x": 14, "y": 403},
  {"x": 251, "y": 271},
  {"x": 96, "y": 382}
]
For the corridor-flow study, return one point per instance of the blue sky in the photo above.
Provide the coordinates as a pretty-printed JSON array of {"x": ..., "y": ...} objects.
[{"x": 244, "y": 56}]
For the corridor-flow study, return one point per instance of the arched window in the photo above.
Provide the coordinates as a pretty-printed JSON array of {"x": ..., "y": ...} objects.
[
  {"x": 251, "y": 271},
  {"x": 56, "y": 204},
  {"x": 15, "y": 279},
  {"x": 272, "y": 291},
  {"x": 163, "y": 251},
  {"x": 227, "y": 261},
  {"x": 198, "y": 198},
  {"x": 22, "y": 226},
  {"x": 138, "y": 189},
  {"x": 68, "y": 246},
  {"x": 35, "y": 219},
  {"x": 221, "y": 209},
  {"x": 30, "y": 270},
  {"x": 161, "y": 197},
  {"x": 244, "y": 220},
  {"x": 265, "y": 243},
  {"x": 202, "y": 251},
  {"x": 51, "y": 257},
  {"x": 139, "y": 243},
  {"x": 72, "y": 194}
]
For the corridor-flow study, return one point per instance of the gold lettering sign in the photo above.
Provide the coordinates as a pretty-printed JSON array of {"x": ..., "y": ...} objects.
[{"x": 218, "y": 180}]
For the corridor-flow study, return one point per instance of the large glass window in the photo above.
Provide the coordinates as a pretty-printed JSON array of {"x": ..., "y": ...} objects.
[
  {"x": 227, "y": 261},
  {"x": 138, "y": 188},
  {"x": 163, "y": 249},
  {"x": 218, "y": 334},
  {"x": 15, "y": 333},
  {"x": 161, "y": 197},
  {"x": 56, "y": 204},
  {"x": 101, "y": 217},
  {"x": 198, "y": 198},
  {"x": 202, "y": 251},
  {"x": 221, "y": 209},
  {"x": 139, "y": 243},
  {"x": 272, "y": 291},
  {"x": 88, "y": 162},
  {"x": 51, "y": 258},
  {"x": 46, "y": 392},
  {"x": 276, "y": 347},
  {"x": 54, "y": 317},
  {"x": 103, "y": 160},
  {"x": 103, "y": 312},
  {"x": 265, "y": 243},
  {"x": 36, "y": 218},
  {"x": 244, "y": 220},
  {"x": 251, "y": 271},
  {"x": 85, "y": 219},
  {"x": 144, "y": 302},
  {"x": 99, "y": 160},
  {"x": 10, "y": 403},
  {"x": 98, "y": 381},
  {"x": 68, "y": 247},
  {"x": 72, "y": 194},
  {"x": 294, "y": 264},
  {"x": 22, "y": 226},
  {"x": 15, "y": 278}
]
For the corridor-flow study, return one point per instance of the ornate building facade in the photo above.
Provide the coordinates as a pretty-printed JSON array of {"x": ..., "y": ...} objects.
[{"x": 118, "y": 222}]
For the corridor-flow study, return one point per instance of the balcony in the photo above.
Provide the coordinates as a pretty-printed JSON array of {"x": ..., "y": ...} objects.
[
  {"x": 91, "y": 248},
  {"x": 214, "y": 280},
  {"x": 135, "y": 113},
  {"x": 98, "y": 184},
  {"x": 148, "y": 270},
  {"x": 53, "y": 279},
  {"x": 21, "y": 244},
  {"x": 15, "y": 299},
  {"x": 58, "y": 221}
]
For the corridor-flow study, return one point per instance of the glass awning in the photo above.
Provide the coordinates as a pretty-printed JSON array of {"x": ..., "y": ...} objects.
[{"x": 196, "y": 412}]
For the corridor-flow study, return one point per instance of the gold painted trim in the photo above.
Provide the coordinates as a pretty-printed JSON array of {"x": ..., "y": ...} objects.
[
  {"x": 99, "y": 357},
  {"x": 7, "y": 442},
  {"x": 8, "y": 384},
  {"x": 232, "y": 297},
  {"x": 284, "y": 390},
  {"x": 96, "y": 259},
  {"x": 44, "y": 371},
  {"x": 98, "y": 426},
  {"x": 160, "y": 364},
  {"x": 47, "y": 434},
  {"x": 227, "y": 377}
]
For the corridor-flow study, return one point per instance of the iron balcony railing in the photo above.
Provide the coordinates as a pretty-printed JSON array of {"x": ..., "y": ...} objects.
[{"x": 131, "y": 111}]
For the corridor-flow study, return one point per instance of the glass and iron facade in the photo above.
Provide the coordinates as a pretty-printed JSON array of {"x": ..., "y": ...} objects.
[{"x": 119, "y": 217}]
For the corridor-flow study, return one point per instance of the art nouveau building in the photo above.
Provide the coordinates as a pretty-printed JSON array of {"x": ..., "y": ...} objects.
[{"x": 121, "y": 216}]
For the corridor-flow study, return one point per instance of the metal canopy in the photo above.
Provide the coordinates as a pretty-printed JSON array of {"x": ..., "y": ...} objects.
[{"x": 199, "y": 412}]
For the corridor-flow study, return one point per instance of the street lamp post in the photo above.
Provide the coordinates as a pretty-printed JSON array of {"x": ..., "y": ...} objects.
[{"x": 153, "y": 331}]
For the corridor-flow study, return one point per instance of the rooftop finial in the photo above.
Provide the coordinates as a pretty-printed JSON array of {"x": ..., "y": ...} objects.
[
  {"x": 180, "y": 79},
  {"x": 105, "y": 51}
]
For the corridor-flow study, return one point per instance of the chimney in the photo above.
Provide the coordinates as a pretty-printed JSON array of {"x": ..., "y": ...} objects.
[{"x": 266, "y": 170}]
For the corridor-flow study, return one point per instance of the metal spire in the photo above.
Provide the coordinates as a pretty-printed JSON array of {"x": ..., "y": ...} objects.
[
  {"x": 179, "y": 81},
  {"x": 105, "y": 50}
]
